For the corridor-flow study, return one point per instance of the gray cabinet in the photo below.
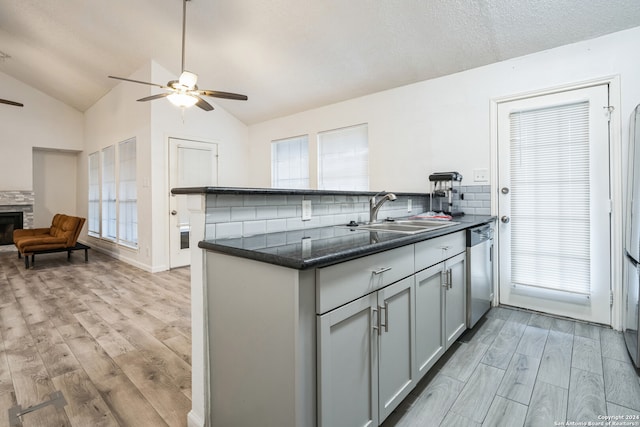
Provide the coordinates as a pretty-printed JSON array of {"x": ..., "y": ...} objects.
[
  {"x": 397, "y": 369},
  {"x": 381, "y": 326},
  {"x": 348, "y": 365},
  {"x": 455, "y": 298},
  {"x": 430, "y": 341},
  {"x": 366, "y": 357},
  {"x": 440, "y": 309}
]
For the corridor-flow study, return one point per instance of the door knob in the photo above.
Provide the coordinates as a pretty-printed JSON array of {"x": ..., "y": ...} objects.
[
  {"x": 505, "y": 190},
  {"x": 174, "y": 212},
  {"x": 505, "y": 219}
]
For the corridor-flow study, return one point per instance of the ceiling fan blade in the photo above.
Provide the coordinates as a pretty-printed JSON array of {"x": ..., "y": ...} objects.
[
  {"x": 17, "y": 104},
  {"x": 135, "y": 81},
  {"x": 203, "y": 104},
  {"x": 152, "y": 97},
  {"x": 226, "y": 95}
]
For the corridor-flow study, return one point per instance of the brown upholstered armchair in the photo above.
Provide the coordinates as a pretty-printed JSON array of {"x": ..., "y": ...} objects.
[{"x": 62, "y": 235}]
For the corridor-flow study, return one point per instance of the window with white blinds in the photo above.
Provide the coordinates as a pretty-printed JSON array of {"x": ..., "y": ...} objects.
[
  {"x": 127, "y": 194},
  {"x": 550, "y": 198},
  {"x": 109, "y": 192},
  {"x": 343, "y": 159},
  {"x": 290, "y": 162},
  {"x": 93, "y": 220}
]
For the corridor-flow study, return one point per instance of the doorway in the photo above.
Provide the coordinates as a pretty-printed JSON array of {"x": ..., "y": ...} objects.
[
  {"x": 191, "y": 164},
  {"x": 554, "y": 203}
]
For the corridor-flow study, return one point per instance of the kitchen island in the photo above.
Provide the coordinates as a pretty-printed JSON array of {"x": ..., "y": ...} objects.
[{"x": 328, "y": 325}]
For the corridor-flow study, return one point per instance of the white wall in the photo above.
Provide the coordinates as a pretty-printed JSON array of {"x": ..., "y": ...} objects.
[
  {"x": 117, "y": 117},
  {"x": 444, "y": 124},
  {"x": 42, "y": 122},
  {"x": 54, "y": 184},
  {"x": 217, "y": 126}
]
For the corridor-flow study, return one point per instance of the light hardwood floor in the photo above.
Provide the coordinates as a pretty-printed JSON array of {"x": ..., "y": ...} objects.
[
  {"x": 114, "y": 339},
  {"x": 526, "y": 369}
]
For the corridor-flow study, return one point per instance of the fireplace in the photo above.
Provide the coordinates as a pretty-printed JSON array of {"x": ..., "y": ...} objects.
[{"x": 9, "y": 221}]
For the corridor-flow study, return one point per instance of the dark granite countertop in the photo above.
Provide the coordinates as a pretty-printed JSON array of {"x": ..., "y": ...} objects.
[
  {"x": 282, "y": 191},
  {"x": 320, "y": 247}
]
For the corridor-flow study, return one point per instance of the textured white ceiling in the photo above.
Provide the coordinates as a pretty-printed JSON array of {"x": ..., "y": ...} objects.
[{"x": 286, "y": 55}]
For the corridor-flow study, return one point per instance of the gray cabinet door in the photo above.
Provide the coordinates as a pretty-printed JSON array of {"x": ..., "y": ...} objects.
[
  {"x": 455, "y": 298},
  {"x": 430, "y": 342},
  {"x": 397, "y": 365},
  {"x": 348, "y": 365}
]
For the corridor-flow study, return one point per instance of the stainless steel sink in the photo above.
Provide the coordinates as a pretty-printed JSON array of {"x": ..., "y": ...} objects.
[{"x": 405, "y": 226}]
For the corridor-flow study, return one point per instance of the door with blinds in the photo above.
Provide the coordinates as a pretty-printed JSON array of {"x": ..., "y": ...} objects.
[{"x": 554, "y": 204}]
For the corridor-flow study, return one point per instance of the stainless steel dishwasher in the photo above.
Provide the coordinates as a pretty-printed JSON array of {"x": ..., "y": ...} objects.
[{"x": 479, "y": 272}]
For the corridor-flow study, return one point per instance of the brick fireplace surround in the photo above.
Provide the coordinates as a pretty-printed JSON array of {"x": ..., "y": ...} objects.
[{"x": 18, "y": 201}]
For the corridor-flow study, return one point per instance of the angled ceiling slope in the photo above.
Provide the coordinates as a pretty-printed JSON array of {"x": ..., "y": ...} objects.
[{"x": 286, "y": 55}]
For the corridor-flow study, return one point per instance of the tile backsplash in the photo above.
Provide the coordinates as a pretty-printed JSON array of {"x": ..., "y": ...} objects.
[
  {"x": 248, "y": 215},
  {"x": 229, "y": 215},
  {"x": 476, "y": 199}
]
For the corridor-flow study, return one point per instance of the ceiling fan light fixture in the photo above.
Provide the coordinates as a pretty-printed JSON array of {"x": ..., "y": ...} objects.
[
  {"x": 182, "y": 100},
  {"x": 188, "y": 79}
]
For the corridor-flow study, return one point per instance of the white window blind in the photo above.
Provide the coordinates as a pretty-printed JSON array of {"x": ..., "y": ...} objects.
[
  {"x": 127, "y": 194},
  {"x": 109, "y": 192},
  {"x": 550, "y": 198},
  {"x": 343, "y": 156},
  {"x": 290, "y": 162},
  {"x": 93, "y": 223}
]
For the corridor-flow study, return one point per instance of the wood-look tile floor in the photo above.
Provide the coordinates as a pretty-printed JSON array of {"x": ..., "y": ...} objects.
[
  {"x": 114, "y": 339},
  {"x": 526, "y": 369}
]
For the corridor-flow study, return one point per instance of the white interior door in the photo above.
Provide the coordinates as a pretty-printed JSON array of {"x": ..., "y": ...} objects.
[
  {"x": 554, "y": 204},
  {"x": 191, "y": 164}
]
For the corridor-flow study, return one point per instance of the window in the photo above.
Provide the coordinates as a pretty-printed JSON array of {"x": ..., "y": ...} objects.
[
  {"x": 109, "y": 193},
  {"x": 93, "y": 223},
  {"x": 290, "y": 162},
  {"x": 127, "y": 194},
  {"x": 343, "y": 159},
  {"x": 113, "y": 200}
]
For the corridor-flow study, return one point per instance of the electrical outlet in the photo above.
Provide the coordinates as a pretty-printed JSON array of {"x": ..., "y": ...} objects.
[
  {"x": 409, "y": 205},
  {"x": 306, "y": 246},
  {"x": 306, "y": 210},
  {"x": 481, "y": 175}
]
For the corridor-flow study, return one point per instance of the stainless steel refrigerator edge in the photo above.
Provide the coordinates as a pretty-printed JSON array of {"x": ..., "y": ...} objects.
[
  {"x": 631, "y": 281},
  {"x": 479, "y": 272}
]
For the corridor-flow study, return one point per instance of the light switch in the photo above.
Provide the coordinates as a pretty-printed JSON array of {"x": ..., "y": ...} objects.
[
  {"x": 306, "y": 210},
  {"x": 481, "y": 175}
]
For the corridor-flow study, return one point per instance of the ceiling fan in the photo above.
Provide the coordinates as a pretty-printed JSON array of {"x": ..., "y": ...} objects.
[
  {"x": 184, "y": 92},
  {"x": 6, "y": 101}
]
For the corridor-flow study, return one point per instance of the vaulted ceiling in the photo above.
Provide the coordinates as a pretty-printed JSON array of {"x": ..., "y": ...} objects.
[{"x": 286, "y": 55}]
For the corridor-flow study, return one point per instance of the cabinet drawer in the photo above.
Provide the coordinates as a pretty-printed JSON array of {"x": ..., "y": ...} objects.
[
  {"x": 338, "y": 284},
  {"x": 431, "y": 252}
]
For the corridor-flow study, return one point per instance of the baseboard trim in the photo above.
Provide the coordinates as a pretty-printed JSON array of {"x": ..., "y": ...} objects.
[{"x": 194, "y": 420}]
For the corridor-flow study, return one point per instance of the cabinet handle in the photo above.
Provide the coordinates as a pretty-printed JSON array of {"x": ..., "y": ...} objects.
[
  {"x": 386, "y": 317},
  {"x": 381, "y": 270},
  {"x": 449, "y": 279},
  {"x": 376, "y": 322}
]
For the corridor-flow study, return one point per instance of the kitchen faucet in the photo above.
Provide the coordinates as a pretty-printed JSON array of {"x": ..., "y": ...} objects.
[{"x": 374, "y": 206}]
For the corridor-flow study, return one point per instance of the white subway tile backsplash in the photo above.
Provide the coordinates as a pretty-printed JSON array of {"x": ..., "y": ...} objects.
[
  {"x": 243, "y": 214},
  {"x": 218, "y": 215},
  {"x": 228, "y": 200},
  {"x": 294, "y": 224},
  {"x": 294, "y": 200},
  {"x": 275, "y": 225},
  {"x": 235, "y": 216},
  {"x": 255, "y": 200},
  {"x": 228, "y": 229},
  {"x": 266, "y": 212},
  {"x": 251, "y": 228},
  {"x": 286, "y": 211}
]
